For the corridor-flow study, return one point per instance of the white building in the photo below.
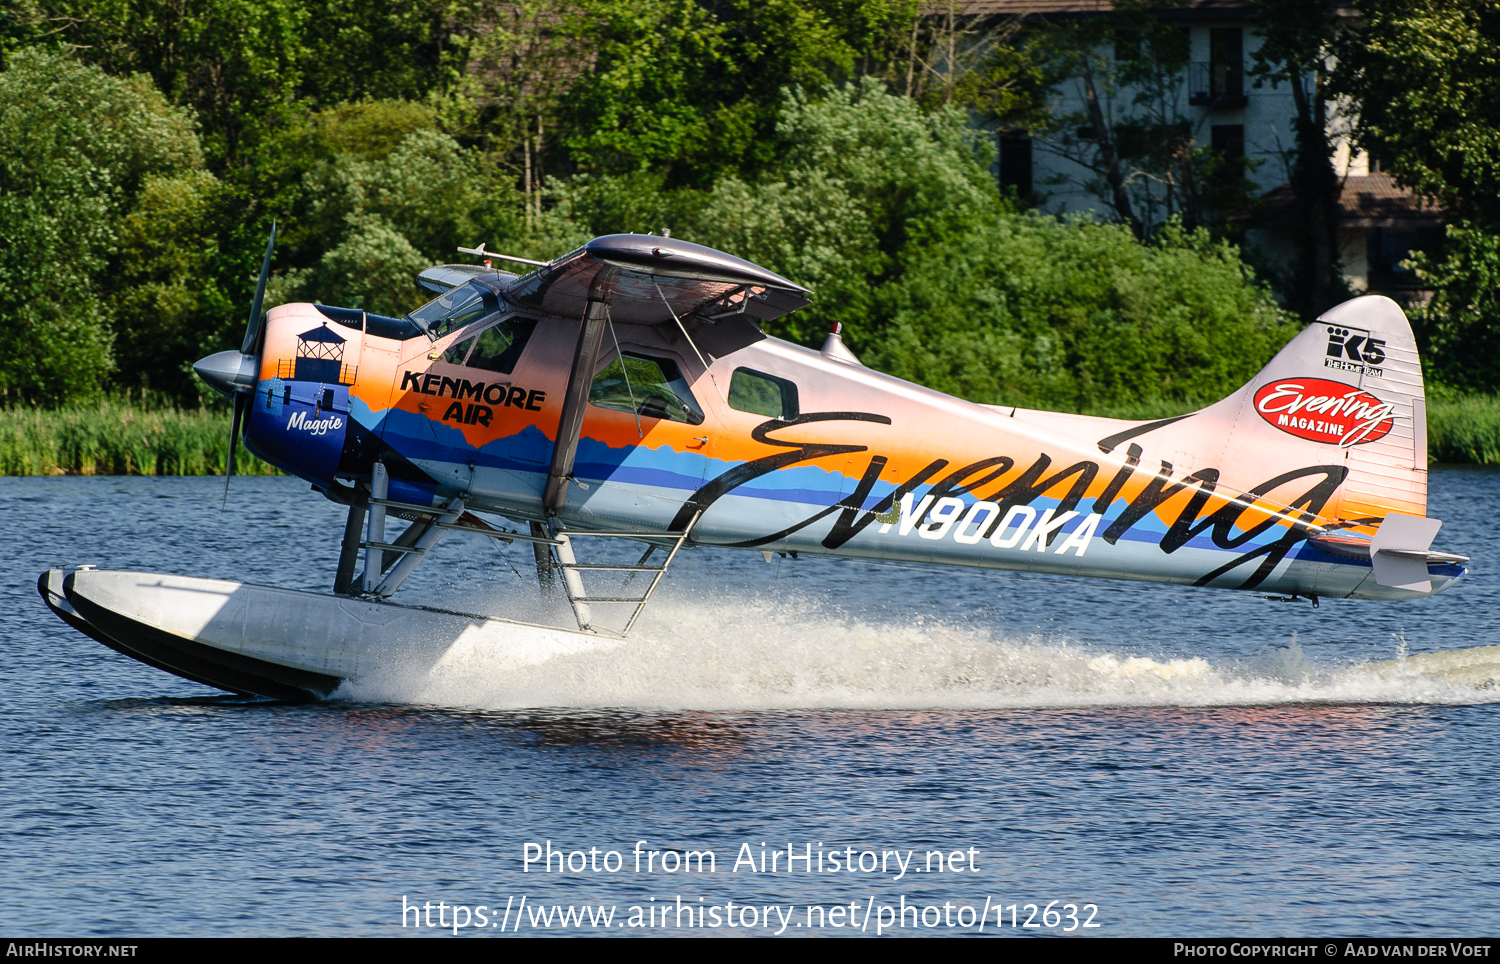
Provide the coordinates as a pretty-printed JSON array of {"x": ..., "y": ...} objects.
[{"x": 1225, "y": 109}]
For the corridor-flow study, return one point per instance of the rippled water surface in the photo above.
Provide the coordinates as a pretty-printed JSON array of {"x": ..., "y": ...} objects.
[{"x": 1188, "y": 761}]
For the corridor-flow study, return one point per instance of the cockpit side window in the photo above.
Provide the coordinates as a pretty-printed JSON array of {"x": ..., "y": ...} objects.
[
  {"x": 652, "y": 387},
  {"x": 761, "y": 394},
  {"x": 454, "y": 309},
  {"x": 499, "y": 347},
  {"x": 458, "y": 351}
]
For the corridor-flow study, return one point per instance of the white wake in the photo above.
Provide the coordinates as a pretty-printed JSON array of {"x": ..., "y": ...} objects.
[{"x": 758, "y": 654}]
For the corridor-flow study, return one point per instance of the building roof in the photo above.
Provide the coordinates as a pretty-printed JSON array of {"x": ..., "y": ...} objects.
[
  {"x": 1179, "y": 10},
  {"x": 1366, "y": 201},
  {"x": 1018, "y": 8}
]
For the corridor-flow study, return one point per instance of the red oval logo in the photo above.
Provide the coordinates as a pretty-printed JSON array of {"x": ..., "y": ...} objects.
[{"x": 1324, "y": 411}]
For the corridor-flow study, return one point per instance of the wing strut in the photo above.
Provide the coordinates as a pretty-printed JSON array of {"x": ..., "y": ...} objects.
[{"x": 585, "y": 356}]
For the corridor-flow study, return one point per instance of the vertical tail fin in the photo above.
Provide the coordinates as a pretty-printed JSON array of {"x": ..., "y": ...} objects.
[
  {"x": 1346, "y": 392},
  {"x": 1387, "y": 466}
]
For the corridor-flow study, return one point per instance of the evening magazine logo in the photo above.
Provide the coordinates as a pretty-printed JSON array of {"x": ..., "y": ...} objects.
[{"x": 1325, "y": 411}]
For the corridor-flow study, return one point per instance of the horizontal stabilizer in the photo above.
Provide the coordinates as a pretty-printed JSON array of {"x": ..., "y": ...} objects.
[{"x": 1399, "y": 550}]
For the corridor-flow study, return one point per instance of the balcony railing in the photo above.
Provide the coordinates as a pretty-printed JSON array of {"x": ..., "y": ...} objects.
[
  {"x": 1216, "y": 84},
  {"x": 286, "y": 368}
]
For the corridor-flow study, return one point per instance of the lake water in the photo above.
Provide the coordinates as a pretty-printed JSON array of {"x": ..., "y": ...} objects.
[{"x": 1185, "y": 762}]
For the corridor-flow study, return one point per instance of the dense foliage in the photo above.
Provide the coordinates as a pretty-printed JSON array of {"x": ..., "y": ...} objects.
[
  {"x": 1427, "y": 78},
  {"x": 145, "y": 148},
  {"x": 892, "y": 215},
  {"x": 79, "y": 152},
  {"x": 1459, "y": 330}
]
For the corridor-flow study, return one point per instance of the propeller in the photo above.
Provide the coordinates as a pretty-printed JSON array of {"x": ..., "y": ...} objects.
[
  {"x": 252, "y": 330},
  {"x": 249, "y": 349},
  {"x": 234, "y": 436}
]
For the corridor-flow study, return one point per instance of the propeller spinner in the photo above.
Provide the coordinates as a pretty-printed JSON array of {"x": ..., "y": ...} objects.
[{"x": 234, "y": 373}]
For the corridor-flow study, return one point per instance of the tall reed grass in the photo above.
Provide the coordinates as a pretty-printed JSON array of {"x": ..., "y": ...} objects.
[
  {"x": 1464, "y": 429},
  {"x": 119, "y": 437}
]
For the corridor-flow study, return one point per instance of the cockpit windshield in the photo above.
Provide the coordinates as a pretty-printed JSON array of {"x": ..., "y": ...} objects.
[{"x": 454, "y": 309}]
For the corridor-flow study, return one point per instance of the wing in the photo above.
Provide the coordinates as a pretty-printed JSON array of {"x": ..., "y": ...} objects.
[
  {"x": 444, "y": 277},
  {"x": 656, "y": 278}
]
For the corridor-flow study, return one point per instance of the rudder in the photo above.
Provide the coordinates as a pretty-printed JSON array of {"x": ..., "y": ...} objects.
[{"x": 1346, "y": 392}]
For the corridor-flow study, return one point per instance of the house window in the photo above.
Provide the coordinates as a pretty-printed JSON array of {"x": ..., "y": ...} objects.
[
  {"x": 1226, "y": 58},
  {"x": 1219, "y": 82},
  {"x": 1015, "y": 164},
  {"x": 1385, "y": 249},
  {"x": 1228, "y": 140}
]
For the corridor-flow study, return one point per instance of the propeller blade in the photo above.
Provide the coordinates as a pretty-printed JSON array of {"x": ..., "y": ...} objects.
[
  {"x": 252, "y": 330},
  {"x": 248, "y": 347},
  {"x": 240, "y": 398}
]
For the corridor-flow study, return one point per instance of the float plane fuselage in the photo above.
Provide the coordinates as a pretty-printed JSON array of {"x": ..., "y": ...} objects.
[
  {"x": 627, "y": 390},
  {"x": 628, "y": 386}
]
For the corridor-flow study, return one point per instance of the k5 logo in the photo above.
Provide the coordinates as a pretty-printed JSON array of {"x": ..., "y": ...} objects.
[{"x": 1355, "y": 345}]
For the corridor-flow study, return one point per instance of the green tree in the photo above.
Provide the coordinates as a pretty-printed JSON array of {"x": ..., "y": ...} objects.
[
  {"x": 1459, "y": 329},
  {"x": 165, "y": 292},
  {"x": 863, "y": 178},
  {"x": 1425, "y": 78},
  {"x": 1003, "y": 77},
  {"x": 77, "y": 147},
  {"x": 241, "y": 64},
  {"x": 1426, "y": 81},
  {"x": 234, "y": 62},
  {"x": 693, "y": 88},
  {"x": 892, "y": 217},
  {"x": 373, "y": 267},
  {"x": 1077, "y": 315},
  {"x": 377, "y": 212}
]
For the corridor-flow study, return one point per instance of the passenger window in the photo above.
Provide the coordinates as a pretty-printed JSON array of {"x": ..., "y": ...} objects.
[
  {"x": 458, "y": 351},
  {"x": 652, "y": 387},
  {"x": 499, "y": 347},
  {"x": 762, "y": 394}
]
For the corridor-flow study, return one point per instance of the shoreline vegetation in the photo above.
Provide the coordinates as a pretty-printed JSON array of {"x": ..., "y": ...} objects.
[
  {"x": 120, "y": 437},
  {"x": 125, "y": 437},
  {"x": 853, "y": 145}
]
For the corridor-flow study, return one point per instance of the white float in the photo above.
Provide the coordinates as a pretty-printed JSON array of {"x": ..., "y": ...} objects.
[{"x": 285, "y": 643}]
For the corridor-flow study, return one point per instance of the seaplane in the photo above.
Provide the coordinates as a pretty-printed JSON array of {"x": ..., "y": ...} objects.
[{"x": 627, "y": 391}]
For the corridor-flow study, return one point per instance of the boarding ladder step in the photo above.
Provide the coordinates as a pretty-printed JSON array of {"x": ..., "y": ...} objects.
[
  {"x": 559, "y": 545},
  {"x": 580, "y": 600}
]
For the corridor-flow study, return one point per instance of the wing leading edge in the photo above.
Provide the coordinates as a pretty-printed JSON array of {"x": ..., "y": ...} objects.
[{"x": 656, "y": 278}]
